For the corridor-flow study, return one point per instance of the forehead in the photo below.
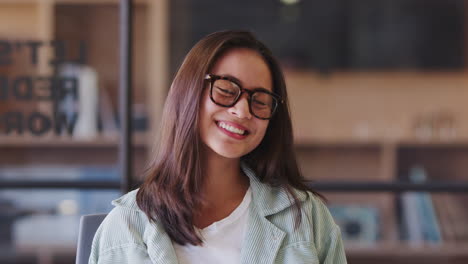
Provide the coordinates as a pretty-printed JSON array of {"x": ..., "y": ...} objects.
[{"x": 247, "y": 65}]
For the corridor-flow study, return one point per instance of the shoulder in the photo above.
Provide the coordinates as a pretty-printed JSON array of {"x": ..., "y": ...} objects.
[
  {"x": 316, "y": 222},
  {"x": 126, "y": 217},
  {"x": 318, "y": 209},
  {"x": 317, "y": 227},
  {"x": 324, "y": 231},
  {"x": 323, "y": 222},
  {"x": 127, "y": 201},
  {"x": 316, "y": 232},
  {"x": 125, "y": 228}
]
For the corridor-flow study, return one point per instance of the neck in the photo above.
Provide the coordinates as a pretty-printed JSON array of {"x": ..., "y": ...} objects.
[
  {"x": 224, "y": 180},
  {"x": 224, "y": 187}
]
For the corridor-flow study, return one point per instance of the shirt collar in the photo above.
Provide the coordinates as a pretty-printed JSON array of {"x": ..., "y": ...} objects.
[{"x": 268, "y": 199}]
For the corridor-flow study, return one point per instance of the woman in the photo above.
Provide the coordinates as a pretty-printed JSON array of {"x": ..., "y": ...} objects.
[{"x": 224, "y": 186}]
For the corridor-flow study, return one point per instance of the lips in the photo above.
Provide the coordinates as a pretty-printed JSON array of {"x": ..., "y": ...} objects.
[{"x": 232, "y": 129}]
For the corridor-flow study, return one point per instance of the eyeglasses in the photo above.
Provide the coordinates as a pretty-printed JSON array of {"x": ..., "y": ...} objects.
[{"x": 226, "y": 92}]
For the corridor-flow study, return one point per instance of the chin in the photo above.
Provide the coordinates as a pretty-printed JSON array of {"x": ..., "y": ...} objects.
[
  {"x": 227, "y": 151},
  {"x": 230, "y": 154}
]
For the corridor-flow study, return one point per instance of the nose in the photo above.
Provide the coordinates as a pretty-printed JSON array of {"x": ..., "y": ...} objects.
[{"x": 241, "y": 108}]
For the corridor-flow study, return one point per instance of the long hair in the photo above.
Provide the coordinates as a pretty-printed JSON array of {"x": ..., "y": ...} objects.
[{"x": 172, "y": 189}]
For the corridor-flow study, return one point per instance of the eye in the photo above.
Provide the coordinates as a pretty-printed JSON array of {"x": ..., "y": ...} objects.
[
  {"x": 259, "y": 104},
  {"x": 225, "y": 92},
  {"x": 261, "y": 100}
]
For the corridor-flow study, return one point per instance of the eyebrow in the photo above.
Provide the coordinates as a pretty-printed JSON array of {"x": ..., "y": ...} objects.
[{"x": 239, "y": 82}]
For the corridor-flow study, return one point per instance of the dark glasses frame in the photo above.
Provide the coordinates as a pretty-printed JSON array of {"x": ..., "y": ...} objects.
[{"x": 277, "y": 99}]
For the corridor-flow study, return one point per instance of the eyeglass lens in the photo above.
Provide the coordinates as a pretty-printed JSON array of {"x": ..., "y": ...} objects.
[{"x": 226, "y": 93}]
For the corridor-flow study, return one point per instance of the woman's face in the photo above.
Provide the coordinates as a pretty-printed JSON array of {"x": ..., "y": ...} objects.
[{"x": 222, "y": 128}]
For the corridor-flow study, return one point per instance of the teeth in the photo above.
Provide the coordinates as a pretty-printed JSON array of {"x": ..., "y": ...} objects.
[{"x": 231, "y": 128}]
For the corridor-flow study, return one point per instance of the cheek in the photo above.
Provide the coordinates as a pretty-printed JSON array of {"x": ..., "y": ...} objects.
[
  {"x": 262, "y": 128},
  {"x": 207, "y": 112},
  {"x": 206, "y": 108}
]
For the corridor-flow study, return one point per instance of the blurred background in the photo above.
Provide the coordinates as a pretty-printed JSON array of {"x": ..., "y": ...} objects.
[{"x": 378, "y": 93}]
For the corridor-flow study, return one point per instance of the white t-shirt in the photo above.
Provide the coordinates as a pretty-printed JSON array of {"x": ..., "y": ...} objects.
[{"x": 222, "y": 239}]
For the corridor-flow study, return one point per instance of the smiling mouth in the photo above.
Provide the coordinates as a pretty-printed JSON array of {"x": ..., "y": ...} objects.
[{"x": 232, "y": 129}]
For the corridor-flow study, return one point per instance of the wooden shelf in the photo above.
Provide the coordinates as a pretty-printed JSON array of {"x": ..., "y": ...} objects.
[
  {"x": 97, "y": 2},
  {"x": 93, "y": 2},
  {"x": 452, "y": 143},
  {"x": 139, "y": 140},
  {"x": 19, "y": 1},
  {"x": 403, "y": 250},
  {"x": 375, "y": 251},
  {"x": 302, "y": 142}
]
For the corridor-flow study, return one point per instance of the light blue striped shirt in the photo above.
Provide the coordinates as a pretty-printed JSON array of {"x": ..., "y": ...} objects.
[{"x": 127, "y": 236}]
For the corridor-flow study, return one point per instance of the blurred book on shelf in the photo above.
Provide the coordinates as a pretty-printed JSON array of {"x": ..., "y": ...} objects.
[
  {"x": 107, "y": 118},
  {"x": 419, "y": 223},
  {"x": 453, "y": 216},
  {"x": 359, "y": 224},
  {"x": 81, "y": 99}
]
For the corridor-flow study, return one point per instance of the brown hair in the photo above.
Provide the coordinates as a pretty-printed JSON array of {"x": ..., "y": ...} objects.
[{"x": 172, "y": 189}]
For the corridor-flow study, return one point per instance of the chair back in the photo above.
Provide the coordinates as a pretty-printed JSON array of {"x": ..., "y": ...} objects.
[{"x": 88, "y": 226}]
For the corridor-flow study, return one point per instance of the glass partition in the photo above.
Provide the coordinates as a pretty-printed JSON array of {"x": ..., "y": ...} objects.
[{"x": 59, "y": 121}]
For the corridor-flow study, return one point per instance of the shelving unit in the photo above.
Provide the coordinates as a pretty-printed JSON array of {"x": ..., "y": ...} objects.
[
  {"x": 99, "y": 151},
  {"x": 139, "y": 140},
  {"x": 96, "y": 24},
  {"x": 402, "y": 250},
  {"x": 362, "y": 127}
]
